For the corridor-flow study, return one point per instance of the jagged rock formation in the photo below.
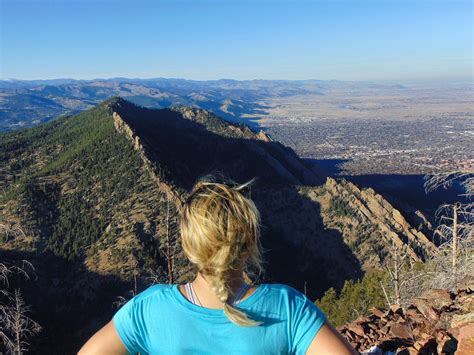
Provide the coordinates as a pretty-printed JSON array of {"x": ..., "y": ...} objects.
[
  {"x": 122, "y": 127},
  {"x": 369, "y": 223},
  {"x": 438, "y": 322}
]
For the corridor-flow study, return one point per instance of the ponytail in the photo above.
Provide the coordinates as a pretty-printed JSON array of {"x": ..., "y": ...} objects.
[{"x": 220, "y": 233}]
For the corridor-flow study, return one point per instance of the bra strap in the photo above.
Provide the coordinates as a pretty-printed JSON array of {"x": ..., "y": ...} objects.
[
  {"x": 234, "y": 300},
  {"x": 190, "y": 292}
]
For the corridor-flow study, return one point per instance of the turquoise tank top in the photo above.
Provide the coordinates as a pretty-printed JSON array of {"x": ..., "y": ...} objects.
[{"x": 161, "y": 320}]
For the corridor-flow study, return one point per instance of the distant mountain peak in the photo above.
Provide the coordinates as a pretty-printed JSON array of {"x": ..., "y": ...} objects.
[{"x": 117, "y": 102}]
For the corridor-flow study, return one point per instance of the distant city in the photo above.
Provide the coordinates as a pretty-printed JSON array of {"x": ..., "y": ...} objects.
[{"x": 385, "y": 130}]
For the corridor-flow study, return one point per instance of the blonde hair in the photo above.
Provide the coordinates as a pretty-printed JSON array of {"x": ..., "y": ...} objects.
[{"x": 220, "y": 233}]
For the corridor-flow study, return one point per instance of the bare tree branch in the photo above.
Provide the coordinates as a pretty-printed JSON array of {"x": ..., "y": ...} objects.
[{"x": 16, "y": 327}]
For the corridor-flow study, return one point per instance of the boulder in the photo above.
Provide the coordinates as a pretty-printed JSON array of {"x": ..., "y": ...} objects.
[
  {"x": 466, "y": 303},
  {"x": 439, "y": 299},
  {"x": 460, "y": 320},
  {"x": 414, "y": 315},
  {"x": 401, "y": 330},
  {"x": 466, "y": 340},
  {"x": 356, "y": 328},
  {"x": 425, "y": 308},
  {"x": 377, "y": 312}
]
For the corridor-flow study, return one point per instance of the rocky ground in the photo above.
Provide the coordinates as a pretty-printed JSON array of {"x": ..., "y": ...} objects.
[{"x": 438, "y": 322}]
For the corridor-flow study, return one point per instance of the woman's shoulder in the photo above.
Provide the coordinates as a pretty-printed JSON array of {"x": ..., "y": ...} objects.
[
  {"x": 296, "y": 303},
  {"x": 155, "y": 290},
  {"x": 284, "y": 290}
]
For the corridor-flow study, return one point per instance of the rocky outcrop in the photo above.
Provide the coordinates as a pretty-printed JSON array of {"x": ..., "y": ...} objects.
[
  {"x": 364, "y": 209},
  {"x": 263, "y": 136},
  {"x": 438, "y": 322},
  {"x": 122, "y": 127}
]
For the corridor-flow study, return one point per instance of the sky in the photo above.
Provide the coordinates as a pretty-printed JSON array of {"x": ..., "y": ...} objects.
[{"x": 246, "y": 39}]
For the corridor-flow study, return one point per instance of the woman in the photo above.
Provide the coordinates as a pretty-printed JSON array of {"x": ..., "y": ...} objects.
[{"x": 221, "y": 310}]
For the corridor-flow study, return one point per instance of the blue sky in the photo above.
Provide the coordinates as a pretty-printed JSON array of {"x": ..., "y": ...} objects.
[{"x": 330, "y": 39}]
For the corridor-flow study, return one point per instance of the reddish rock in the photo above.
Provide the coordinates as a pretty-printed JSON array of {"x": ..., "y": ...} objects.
[
  {"x": 401, "y": 330},
  {"x": 377, "y": 312},
  {"x": 396, "y": 309},
  {"x": 414, "y": 315},
  {"x": 424, "y": 337},
  {"x": 416, "y": 332},
  {"x": 350, "y": 335},
  {"x": 424, "y": 341},
  {"x": 372, "y": 326},
  {"x": 460, "y": 320},
  {"x": 356, "y": 328},
  {"x": 437, "y": 323},
  {"x": 391, "y": 322},
  {"x": 397, "y": 317},
  {"x": 466, "y": 340},
  {"x": 438, "y": 299},
  {"x": 466, "y": 303},
  {"x": 418, "y": 345},
  {"x": 384, "y": 330},
  {"x": 425, "y": 308},
  {"x": 444, "y": 321}
]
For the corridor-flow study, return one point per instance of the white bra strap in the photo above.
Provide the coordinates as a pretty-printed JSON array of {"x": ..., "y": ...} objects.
[
  {"x": 189, "y": 291},
  {"x": 234, "y": 300}
]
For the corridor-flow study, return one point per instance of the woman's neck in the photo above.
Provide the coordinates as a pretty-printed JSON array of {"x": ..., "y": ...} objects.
[{"x": 208, "y": 298}]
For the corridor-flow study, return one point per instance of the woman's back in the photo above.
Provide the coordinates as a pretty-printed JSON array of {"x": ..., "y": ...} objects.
[
  {"x": 220, "y": 235},
  {"x": 162, "y": 320}
]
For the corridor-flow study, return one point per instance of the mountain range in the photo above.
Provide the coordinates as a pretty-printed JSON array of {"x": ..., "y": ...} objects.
[
  {"x": 25, "y": 103},
  {"x": 92, "y": 201}
]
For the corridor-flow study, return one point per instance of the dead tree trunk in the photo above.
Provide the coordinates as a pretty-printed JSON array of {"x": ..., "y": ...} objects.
[
  {"x": 455, "y": 236},
  {"x": 398, "y": 261},
  {"x": 396, "y": 275},
  {"x": 169, "y": 247},
  {"x": 17, "y": 328}
]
